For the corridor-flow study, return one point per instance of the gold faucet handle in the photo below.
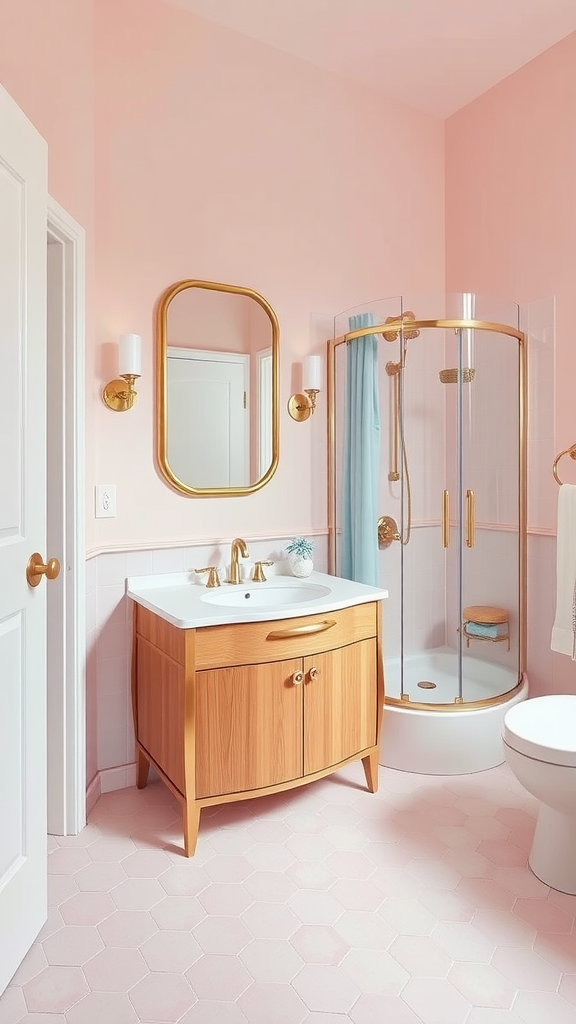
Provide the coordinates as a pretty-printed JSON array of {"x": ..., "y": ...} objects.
[
  {"x": 213, "y": 577},
  {"x": 258, "y": 574}
]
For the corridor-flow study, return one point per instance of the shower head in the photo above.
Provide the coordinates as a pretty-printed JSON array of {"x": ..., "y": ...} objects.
[{"x": 406, "y": 317}]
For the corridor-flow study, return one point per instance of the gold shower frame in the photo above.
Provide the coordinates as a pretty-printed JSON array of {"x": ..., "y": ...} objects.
[{"x": 402, "y": 328}]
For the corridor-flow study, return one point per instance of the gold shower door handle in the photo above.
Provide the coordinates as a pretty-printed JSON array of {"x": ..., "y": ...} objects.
[
  {"x": 446, "y": 519},
  {"x": 470, "y": 518}
]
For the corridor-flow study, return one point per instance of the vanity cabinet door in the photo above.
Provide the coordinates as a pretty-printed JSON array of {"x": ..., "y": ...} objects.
[
  {"x": 249, "y": 731},
  {"x": 340, "y": 704}
]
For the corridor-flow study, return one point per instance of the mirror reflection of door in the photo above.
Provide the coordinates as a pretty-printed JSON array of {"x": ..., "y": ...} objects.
[
  {"x": 208, "y": 411},
  {"x": 219, "y": 389}
]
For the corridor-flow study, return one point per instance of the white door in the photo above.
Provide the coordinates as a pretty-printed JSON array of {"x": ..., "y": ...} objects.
[
  {"x": 208, "y": 417},
  {"x": 23, "y": 202}
]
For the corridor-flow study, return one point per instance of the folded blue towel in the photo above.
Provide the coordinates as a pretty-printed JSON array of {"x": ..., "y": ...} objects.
[{"x": 491, "y": 631}]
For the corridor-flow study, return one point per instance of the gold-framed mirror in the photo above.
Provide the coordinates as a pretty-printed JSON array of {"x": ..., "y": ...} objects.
[{"x": 217, "y": 370}]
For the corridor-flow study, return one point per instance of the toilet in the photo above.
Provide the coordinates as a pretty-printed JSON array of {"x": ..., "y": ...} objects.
[{"x": 540, "y": 747}]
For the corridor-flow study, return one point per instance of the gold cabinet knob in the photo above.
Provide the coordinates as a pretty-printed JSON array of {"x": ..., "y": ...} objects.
[
  {"x": 298, "y": 678},
  {"x": 314, "y": 672},
  {"x": 36, "y": 569}
]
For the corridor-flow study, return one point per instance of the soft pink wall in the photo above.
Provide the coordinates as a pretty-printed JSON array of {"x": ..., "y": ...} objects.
[
  {"x": 511, "y": 200},
  {"x": 220, "y": 158},
  {"x": 47, "y": 66},
  {"x": 511, "y": 231}
]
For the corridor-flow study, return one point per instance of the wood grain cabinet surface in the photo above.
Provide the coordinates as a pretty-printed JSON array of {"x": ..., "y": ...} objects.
[{"x": 230, "y": 712}]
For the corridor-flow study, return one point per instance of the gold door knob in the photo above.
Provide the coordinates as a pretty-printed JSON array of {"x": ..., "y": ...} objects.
[
  {"x": 314, "y": 672},
  {"x": 36, "y": 569},
  {"x": 298, "y": 678}
]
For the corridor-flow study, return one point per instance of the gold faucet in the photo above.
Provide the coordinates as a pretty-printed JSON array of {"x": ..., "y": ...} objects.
[{"x": 238, "y": 546}]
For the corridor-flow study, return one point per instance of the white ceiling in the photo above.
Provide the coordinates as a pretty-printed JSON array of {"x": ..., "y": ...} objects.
[{"x": 436, "y": 55}]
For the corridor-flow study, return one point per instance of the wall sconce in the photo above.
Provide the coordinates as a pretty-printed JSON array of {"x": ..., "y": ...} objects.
[
  {"x": 301, "y": 406},
  {"x": 119, "y": 394}
]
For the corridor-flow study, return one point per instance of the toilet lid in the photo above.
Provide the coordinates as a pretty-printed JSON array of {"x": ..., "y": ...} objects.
[{"x": 543, "y": 728}]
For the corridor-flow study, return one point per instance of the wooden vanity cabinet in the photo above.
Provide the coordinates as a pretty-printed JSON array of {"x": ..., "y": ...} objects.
[{"x": 235, "y": 711}]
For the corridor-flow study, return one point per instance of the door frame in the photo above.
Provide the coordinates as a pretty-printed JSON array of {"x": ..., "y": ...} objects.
[{"x": 65, "y": 477}]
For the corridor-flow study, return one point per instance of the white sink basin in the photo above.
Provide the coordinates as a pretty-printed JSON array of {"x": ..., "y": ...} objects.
[{"x": 266, "y": 596}]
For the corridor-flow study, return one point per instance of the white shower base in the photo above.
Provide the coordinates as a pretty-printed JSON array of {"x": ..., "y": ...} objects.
[{"x": 455, "y": 740}]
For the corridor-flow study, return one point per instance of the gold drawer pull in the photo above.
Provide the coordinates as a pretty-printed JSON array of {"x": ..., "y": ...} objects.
[
  {"x": 306, "y": 630},
  {"x": 297, "y": 678},
  {"x": 314, "y": 672}
]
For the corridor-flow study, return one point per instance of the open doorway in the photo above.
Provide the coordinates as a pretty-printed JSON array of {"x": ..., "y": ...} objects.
[{"x": 66, "y": 726}]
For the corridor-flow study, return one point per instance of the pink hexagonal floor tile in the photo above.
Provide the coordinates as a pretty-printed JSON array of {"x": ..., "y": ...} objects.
[
  {"x": 228, "y": 868},
  {"x": 420, "y": 956},
  {"x": 504, "y": 853},
  {"x": 270, "y": 921},
  {"x": 162, "y": 997},
  {"x": 99, "y": 877},
  {"x": 214, "y": 1012},
  {"x": 559, "y": 950},
  {"x": 520, "y": 881},
  {"x": 264, "y": 1003},
  {"x": 326, "y": 989},
  {"x": 485, "y": 893},
  {"x": 362, "y": 930},
  {"x": 67, "y": 860},
  {"x": 184, "y": 880},
  {"x": 350, "y": 864},
  {"x": 271, "y": 960},
  {"x": 218, "y": 977},
  {"x": 357, "y": 894},
  {"x": 447, "y": 905},
  {"x": 178, "y": 912},
  {"x": 436, "y": 1001},
  {"x": 226, "y": 935},
  {"x": 270, "y": 886},
  {"x": 319, "y": 944},
  {"x": 469, "y": 863},
  {"x": 55, "y": 990},
  {"x": 487, "y": 828},
  {"x": 174, "y": 951},
  {"x": 375, "y": 971},
  {"x": 525, "y": 968},
  {"x": 60, "y": 888},
  {"x": 504, "y": 928},
  {"x": 72, "y": 946},
  {"x": 87, "y": 908},
  {"x": 269, "y": 831},
  {"x": 544, "y": 915},
  {"x": 407, "y": 917},
  {"x": 270, "y": 857},
  {"x": 111, "y": 848},
  {"x": 228, "y": 900},
  {"x": 482, "y": 985},
  {"x": 311, "y": 875},
  {"x": 462, "y": 941},
  {"x": 137, "y": 894},
  {"x": 567, "y": 988},
  {"x": 536, "y": 1007},
  {"x": 34, "y": 962},
  {"x": 127, "y": 928},
  {"x": 115, "y": 970},
  {"x": 315, "y": 907},
  {"x": 53, "y": 922},
  {"x": 12, "y": 1005},
  {"x": 381, "y": 1009},
  {"x": 97, "y": 1007}
]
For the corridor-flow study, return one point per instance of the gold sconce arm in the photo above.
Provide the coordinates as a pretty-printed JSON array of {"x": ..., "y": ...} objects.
[
  {"x": 119, "y": 397},
  {"x": 301, "y": 406}
]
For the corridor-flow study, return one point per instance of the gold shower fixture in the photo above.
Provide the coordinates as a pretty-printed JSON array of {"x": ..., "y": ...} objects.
[
  {"x": 452, "y": 375},
  {"x": 406, "y": 317}
]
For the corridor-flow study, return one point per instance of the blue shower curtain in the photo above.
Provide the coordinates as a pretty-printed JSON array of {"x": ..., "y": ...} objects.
[{"x": 359, "y": 545}]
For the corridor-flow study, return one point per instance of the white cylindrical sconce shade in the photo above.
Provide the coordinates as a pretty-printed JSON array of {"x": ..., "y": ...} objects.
[
  {"x": 130, "y": 360},
  {"x": 312, "y": 373}
]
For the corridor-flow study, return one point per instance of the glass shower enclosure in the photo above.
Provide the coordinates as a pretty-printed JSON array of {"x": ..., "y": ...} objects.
[{"x": 451, "y": 521}]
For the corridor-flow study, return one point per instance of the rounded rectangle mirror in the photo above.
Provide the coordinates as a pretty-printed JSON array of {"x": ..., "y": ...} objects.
[{"x": 217, "y": 389}]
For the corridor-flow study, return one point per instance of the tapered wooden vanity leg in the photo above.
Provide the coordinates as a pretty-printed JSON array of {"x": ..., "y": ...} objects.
[
  {"x": 191, "y": 824},
  {"x": 142, "y": 769},
  {"x": 370, "y": 765}
]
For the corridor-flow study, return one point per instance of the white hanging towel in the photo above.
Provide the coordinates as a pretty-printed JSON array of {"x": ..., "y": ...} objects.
[{"x": 564, "y": 628}]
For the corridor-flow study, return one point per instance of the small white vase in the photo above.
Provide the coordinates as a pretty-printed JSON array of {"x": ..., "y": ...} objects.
[{"x": 299, "y": 566}]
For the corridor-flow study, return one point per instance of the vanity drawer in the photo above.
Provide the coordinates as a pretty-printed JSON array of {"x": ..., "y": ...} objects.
[{"x": 252, "y": 643}]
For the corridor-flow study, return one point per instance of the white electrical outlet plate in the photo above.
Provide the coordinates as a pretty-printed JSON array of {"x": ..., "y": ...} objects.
[{"x": 105, "y": 495}]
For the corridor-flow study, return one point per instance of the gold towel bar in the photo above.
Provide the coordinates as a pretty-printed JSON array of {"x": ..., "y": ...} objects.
[{"x": 567, "y": 451}]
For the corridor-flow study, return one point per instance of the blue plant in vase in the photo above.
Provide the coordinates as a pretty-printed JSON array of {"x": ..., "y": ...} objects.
[{"x": 299, "y": 551}]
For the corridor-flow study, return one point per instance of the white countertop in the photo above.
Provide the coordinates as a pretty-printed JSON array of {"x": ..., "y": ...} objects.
[{"x": 184, "y": 601}]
